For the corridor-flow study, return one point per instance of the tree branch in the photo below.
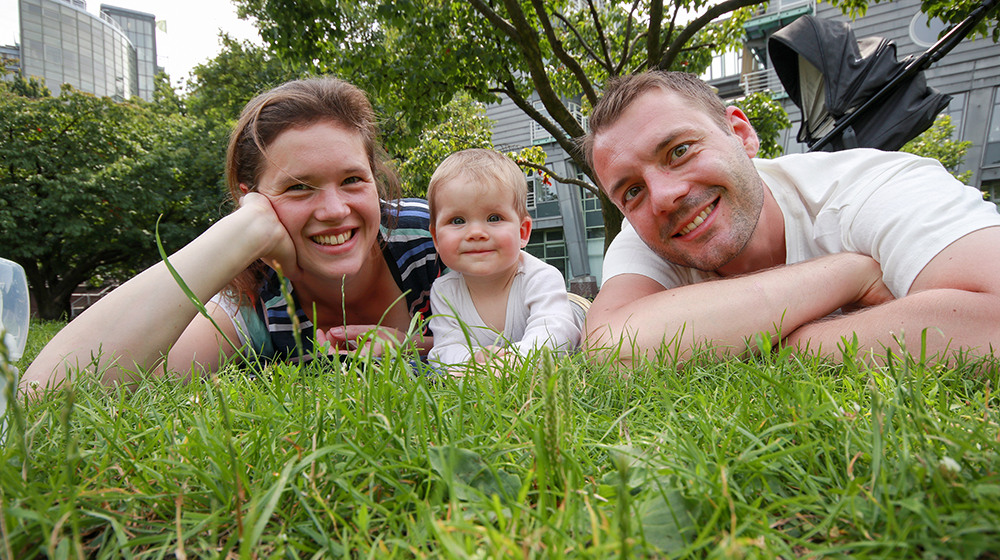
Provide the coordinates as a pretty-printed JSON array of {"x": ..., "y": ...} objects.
[
  {"x": 601, "y": 37},
  {"x": 653, "y": 34},
  {"x": 566, "y": 143},
  {"x": 503, "y": 25},
  {"x": 590, "y": 51},
  {"x": 670, "y": 54},
  {"x": 557, "y": 48},
  {"x": 537, "y": 70},
  {"x": 626, "y": 45},
  {"x": 559, "y": 178}
]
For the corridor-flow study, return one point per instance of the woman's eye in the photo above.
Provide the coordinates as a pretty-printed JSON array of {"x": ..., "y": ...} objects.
[
  {"x": 298, "y": 187},
  {"x": 457, "y": 221},
  {"x": 679, "y": 151},
  {"x": 352, "y": 180},
  {"x": 631, "y": 193},
  {"x": 494, "y": 218}
]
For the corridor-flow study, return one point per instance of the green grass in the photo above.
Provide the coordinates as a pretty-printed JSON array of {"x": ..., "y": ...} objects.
[{"x": 778, "y": 456}]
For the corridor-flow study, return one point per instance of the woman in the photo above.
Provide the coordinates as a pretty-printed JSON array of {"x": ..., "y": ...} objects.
[{"x": 304, "y": 166}]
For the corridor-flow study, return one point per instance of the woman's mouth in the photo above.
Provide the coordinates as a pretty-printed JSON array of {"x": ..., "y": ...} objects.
[{"x": 333, "y": 240}]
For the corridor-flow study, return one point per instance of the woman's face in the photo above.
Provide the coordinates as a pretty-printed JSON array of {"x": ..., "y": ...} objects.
[{"x": 319, "y": 181}]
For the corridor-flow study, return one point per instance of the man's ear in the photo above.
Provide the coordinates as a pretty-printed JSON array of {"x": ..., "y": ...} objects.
[
  {"x": 740, "y": 124},
  {"x": 525, "y": 231}
]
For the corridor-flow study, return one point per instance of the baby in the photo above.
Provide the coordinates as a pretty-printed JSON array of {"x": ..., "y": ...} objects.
[{"x": 497, "y": 297}]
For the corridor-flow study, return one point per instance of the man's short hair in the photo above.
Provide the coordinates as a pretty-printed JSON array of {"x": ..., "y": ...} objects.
[
  {"x": 482, "y": 167},
  {"x": 622, "y": 91}
]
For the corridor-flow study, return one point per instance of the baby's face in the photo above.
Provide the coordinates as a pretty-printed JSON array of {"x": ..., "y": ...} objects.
[{"x": 477, "y": 230}]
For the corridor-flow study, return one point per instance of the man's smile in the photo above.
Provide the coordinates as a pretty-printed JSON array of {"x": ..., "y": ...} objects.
[{"x": 697, "y": 221}]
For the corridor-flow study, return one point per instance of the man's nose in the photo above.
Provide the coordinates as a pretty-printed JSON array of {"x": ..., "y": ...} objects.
[{"x": 667, "y": 192}]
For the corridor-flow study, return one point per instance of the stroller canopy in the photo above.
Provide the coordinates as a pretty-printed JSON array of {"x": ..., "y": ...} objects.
[{"x": 829, "y": 75}]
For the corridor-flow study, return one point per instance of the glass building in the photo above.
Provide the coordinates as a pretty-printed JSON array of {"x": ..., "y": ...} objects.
[
  {"x": 140, "y": 28},
  {"x": 64, "y": 44}
]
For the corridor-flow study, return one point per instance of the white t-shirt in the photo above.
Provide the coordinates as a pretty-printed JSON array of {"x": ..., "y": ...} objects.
[
  {"x": 538, "y": 314},
  {"x": 900, "y": 209}
]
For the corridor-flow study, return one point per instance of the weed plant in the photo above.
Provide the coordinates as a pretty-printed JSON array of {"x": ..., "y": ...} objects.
[{"x": 777, "y": 456}]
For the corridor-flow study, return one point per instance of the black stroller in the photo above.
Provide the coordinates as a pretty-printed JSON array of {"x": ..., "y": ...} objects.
[{"x": 855, "y": 93}]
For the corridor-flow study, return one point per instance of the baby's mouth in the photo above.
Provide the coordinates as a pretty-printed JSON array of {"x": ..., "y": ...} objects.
[
  {"x": 697, "y": 220},
  {"x": 339, "y": 239}
]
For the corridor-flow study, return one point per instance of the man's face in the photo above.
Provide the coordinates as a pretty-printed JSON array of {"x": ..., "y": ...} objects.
[{"x": 686, "y": 185}]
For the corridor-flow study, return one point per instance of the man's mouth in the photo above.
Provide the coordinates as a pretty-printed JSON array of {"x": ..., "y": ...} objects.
[
  {"x": 697, "y": 220},
  {"x": 339, "y": 239}
]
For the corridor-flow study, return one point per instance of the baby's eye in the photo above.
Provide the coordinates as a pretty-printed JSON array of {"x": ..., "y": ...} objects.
[
  {"x": 457, "y": 221},
  {"x": 679, "y": 151},
  {"x": 494, "y": 218},
  {"x": 631, "y": 193}
]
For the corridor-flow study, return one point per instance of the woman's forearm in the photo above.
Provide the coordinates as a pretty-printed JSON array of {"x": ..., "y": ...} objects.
[{"x": 137, "y": 323}]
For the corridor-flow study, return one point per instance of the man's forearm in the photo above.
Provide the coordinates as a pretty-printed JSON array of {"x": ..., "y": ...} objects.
[
  {"x": 953, "y": 319},
  {"x": 633, "y": 319}
]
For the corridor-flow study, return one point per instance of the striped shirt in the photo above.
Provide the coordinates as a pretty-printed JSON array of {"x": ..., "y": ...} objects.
[{"x": 408, "y": 250}]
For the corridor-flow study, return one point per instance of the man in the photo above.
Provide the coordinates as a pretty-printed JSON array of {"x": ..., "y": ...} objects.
[{"x": 888, "y": 232}]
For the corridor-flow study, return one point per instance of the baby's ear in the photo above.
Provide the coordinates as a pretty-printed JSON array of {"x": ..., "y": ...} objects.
[
  {"x": 525, "y": 231},
  {"x": 243, "y": 188}
]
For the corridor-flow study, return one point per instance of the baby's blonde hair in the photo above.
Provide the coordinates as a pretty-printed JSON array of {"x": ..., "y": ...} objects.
[{"x": 488, "y": 168}]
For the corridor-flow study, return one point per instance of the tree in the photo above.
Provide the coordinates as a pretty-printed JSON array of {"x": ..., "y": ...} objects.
[
  {"x": 768, "y": 119},
  {"x": 414, "y": 56},
  {"x": 220, "y": 88},
  {"x": 938, "y": 142},
  {"x": 466, "y": 126},
  {"x": 83, "y": 181}
]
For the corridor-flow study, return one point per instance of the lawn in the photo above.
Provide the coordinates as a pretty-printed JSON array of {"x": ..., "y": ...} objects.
[{"x": 767, "y": 457}]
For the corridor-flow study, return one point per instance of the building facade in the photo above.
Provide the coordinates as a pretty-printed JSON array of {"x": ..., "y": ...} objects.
[
  {"x": 140, "y": 28},
  {"x": 568, "y": 228},
  {"x": 63, "y": 43}
]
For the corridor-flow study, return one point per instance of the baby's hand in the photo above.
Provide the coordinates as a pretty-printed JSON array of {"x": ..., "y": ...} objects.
[{"x": 489, "y": 353}]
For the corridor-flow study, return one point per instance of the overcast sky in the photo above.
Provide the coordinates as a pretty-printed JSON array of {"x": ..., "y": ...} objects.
[{"x": 192, "y": 28}]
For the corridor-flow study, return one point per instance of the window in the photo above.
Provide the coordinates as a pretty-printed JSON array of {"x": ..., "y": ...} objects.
[
  {"x": 991, "y": 155},
  {"x": 541, "y": 136},
  {"x": 991, "y": 191},
  {"x": 549, "y": 246},
  {"x": 925, "y": 32},
  {"x": 724, "y": 65},
  {"x": 956, "y": 110}
]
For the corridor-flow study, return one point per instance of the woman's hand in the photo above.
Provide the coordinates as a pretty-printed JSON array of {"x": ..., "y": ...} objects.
[
  {"x": 279, "y": 250},
  {"x": 374, "y": 339}
]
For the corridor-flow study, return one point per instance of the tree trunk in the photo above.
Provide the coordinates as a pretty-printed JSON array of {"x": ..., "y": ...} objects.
[{"x": 612, "y": 220}]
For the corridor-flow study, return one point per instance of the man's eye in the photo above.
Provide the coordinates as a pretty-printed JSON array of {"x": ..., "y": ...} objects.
[
  {"x": 494, "y": 218},
  {"x": 457, "y": 221},
  {"x": 679, "y": 151},
  {"x": 631, "y": 193}
]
